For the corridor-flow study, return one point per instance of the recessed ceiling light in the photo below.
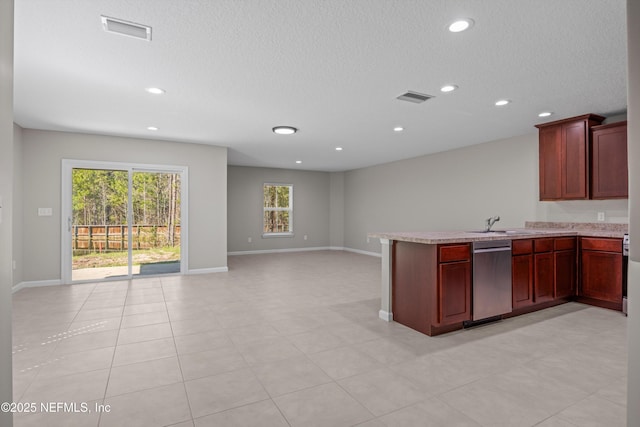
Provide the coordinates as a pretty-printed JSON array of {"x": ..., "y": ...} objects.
[
  {"x": 461, "y": 25},
  {"x": 298, "y": 161},
  {"x": 502, "y": 102},
  {"x": 448, "y": 88},
  {"x": 338, "y": 148},
  {"x": 545, "y": 114},
  {"x": 284, "y": 130},
  {"x": 155, "y": 90},
  {"x": 398, "y": 129},
  {"x": 152, "y": 128}
]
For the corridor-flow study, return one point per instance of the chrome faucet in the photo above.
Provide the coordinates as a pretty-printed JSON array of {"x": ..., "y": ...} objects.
[{"x": 490, "y": 222}]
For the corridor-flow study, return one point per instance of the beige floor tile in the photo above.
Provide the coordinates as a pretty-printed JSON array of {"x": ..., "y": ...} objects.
[
  {"x": 144, "y": 333},
  {"x": 74, "y": 363},
  {"x": 159, "y": 406},
  {"x": 203, "y": 341},
  {"x": 144, "y": 375},
  {"x": 344, "y": 362},
  {"x": 192, "y": 326},
  {"x": 616, "y": 392},
  {"x": 260, "y": 414},
  {"x": 224, "y": 391},
  {"x": 143, "y": 351},
  {"x": 382, "y": 391},
  {"x": 290, "y": 375},
  {"x": 432, "y": 413},
  {"x": 81, "y": 387},
  {"x": 144, "y": 308},
  {"x": 268, "y": 350},
  {"x": 211, "y": 362},
  {"x": 84, "y": 340},
  {"x": 316, "y": 340},
  {"x": 595, "y": 412},
  {"x": 143, "y": 319},
  {"x": 325, "y": 405}
]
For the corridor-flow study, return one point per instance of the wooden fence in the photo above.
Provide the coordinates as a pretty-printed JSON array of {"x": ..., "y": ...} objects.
[{"x": 113, "y": 238}]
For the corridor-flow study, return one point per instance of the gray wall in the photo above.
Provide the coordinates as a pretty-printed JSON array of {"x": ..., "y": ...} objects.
[
  {"x": 43, "y": 152},
  {"x": 17, "y": 205},
  {"x": 336, "y": 209},
  {"x": 457, "y": 190},
  {"x": 311, "y": 207},
  {"x": 6, "y": 192},
  {"x": 633, "y": 99}
]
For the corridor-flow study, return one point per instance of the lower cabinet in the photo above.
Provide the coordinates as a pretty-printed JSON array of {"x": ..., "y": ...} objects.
[
  {"x": 543, "y": 270},
  {"x": 454, "y": 292},
  {"x": 601, "y": 271},
  {"x": 522, "y": 273}
]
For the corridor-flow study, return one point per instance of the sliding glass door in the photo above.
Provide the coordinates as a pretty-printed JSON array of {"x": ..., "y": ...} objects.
[{"x": 122, "y": 220}]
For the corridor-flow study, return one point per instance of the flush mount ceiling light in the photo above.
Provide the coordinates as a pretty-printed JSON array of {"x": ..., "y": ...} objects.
[
  {"x": 461, "y": 25},
  {"x": 155, "y": 90},
  {"x": 545, "y": 114},
  {"x": 152, "y": 128},
  {"x": 338, "y": 148},
  {"x": 502, "y": 102},
  {"x": 398, "y": 129},
  {"x": 448, "y": 88},
  {"x": 285, "y": 130},
  {"x": 298, "y": 161},
  {"x": 126, "y": 28}
]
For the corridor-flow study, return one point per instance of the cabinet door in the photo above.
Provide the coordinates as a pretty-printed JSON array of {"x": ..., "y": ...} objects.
[
  {"x": 454, "y": 292},
  {"x": 609, "y": 175},
  {"x": 550, "y": 163},
  {"x": 574, "y": 161},
  {"x": 565, "y": 273},
  {"x": 522, "y": 280},
  {"x": 601, "y": 275},
  {"x": 543, "y": 276}
]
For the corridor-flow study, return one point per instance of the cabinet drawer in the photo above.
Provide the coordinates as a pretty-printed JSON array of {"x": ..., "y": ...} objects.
[
  {"x": 454, "y": 253},
  {"x": 543, "y": 245},
  {"x": 601, "y": 244},
  {"x": 565, "y": 243},
  {"x": 521, "y": 247}
]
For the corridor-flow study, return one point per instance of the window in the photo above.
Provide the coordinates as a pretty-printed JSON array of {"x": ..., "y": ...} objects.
[{"x": 277, "y": 218}]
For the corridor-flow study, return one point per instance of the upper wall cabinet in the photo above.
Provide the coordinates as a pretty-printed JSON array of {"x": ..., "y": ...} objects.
[
  {"x": 564, "y": 157},
  {"x": 609, "y": 169}
]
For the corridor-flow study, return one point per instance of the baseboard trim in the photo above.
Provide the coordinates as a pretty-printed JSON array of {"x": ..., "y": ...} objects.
[
  {"x": 385, "y": 315},
  {"x": 358, "y": 251},
  {"x": 208, "y": 270},
  {"x": 35, "y": 284},
  {"x": 277, "y": 251}
]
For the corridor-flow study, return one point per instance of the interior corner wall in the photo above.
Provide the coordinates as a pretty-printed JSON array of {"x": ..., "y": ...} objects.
[
  {"x": 18, "y": 252},
  {"x": 336, "y": 210},
  {"x": 633, "y": 141},
  {"x": 311, "y": 202},
  {"x": 6, "y": 209},
  {"x": 43, "y": 152},
  {"x": 452, "y": 190}
]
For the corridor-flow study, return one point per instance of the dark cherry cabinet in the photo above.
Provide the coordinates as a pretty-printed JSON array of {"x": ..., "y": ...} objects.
[
  {"x": 522, "y": 273},
  {"x": 431, "y": 289},
  {"x": 454, "y": 284},
  {"x": 601, "y": 271},
  {"x": 609, "y": 169},
  {"x": 565, "y": 267},
  {"x": 564, "y": 157}
]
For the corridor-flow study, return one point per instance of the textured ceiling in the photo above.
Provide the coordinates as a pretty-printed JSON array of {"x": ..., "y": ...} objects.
[{"x": 233, "y": 69}]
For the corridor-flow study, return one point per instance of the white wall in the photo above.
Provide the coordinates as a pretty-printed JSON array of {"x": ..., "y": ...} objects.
[
  {"x": 6, "y": 192},
  {"x": 43, "y": 152},
  {"x": 311, "y": 206},
  {"x": 633, "y": 135},
  {"x": 17, "y": 205}
]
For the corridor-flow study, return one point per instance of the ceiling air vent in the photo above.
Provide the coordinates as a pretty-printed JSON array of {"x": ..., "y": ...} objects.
[
  {"x": 414, "y": 97},
  {"x": 124, "y": 28}
]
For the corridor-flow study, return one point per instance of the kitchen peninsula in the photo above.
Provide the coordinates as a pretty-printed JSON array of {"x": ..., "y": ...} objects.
[{"x": 427, "y": 277}]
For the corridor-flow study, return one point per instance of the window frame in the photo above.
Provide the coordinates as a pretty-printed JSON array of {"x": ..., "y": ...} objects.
[{"x": 289, "y": 233}]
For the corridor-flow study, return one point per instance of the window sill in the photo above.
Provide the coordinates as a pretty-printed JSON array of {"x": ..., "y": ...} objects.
[{"x": 270, "y": 235}]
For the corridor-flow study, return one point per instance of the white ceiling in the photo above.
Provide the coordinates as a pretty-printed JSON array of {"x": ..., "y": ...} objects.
[{"x": 233, "y": 69}]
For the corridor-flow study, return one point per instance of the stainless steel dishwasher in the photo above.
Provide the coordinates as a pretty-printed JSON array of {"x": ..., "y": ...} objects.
[{"x": 491, "y": 278}]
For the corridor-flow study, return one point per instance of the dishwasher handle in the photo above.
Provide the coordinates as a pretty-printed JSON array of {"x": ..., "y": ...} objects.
[{"x": 486, "y": 250}]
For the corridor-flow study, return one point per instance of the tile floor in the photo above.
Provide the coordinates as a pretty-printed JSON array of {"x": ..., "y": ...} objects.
[{"x": 294, "y": 340}]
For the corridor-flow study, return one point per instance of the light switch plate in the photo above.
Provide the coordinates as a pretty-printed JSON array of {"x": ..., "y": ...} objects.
[
  {"x": 45, "y": 211},
  {"x": 600, "y": 216}
]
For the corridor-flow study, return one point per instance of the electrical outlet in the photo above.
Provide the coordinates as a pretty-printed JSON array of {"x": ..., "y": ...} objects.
[
  {"x": 600, "y": 216},
  {"x": 249, "y": 239},
  {"x": 368, "y": 240},
  {"x": 305, "y": 237}
]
